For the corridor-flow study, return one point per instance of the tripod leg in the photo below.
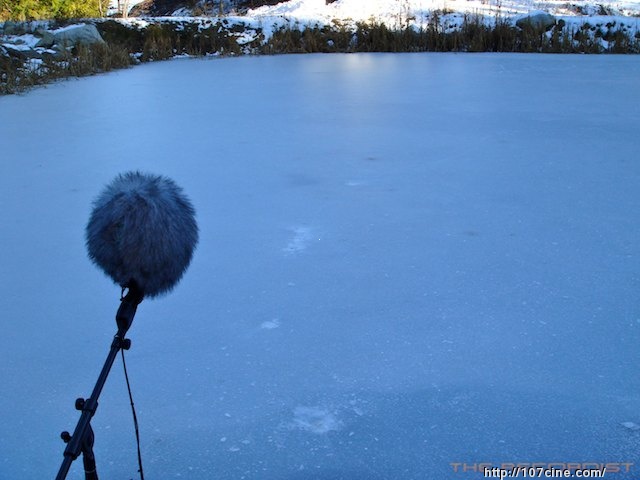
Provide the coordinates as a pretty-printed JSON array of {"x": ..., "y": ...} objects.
[{"x": 88, "y": 458}]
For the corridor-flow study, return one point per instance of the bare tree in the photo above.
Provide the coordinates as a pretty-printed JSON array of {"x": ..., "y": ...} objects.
[{"x": 123, "y": 8}]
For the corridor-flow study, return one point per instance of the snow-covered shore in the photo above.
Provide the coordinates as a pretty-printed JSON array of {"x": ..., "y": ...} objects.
[{"x": 419, "y": 14}]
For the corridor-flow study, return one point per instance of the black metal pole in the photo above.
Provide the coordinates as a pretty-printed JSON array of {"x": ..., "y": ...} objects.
[{"x": 82, "y": 439}]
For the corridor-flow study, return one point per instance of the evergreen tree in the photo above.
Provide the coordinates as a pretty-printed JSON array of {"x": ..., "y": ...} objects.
[{"x": 22, "y": 10}]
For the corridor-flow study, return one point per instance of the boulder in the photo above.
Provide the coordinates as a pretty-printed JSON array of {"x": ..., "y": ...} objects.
[
  {"x": 20, "y": 51},
  {"x": 12, "y": 28},
  {"x": 542, "y": 21},
  {"x": 54, "y": 55},
  {"x": 82, "y": 34},
  {"x": 46, "y": 39}
]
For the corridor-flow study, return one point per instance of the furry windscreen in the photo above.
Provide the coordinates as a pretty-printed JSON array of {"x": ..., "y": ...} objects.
[{"x": 143, "y": 229}]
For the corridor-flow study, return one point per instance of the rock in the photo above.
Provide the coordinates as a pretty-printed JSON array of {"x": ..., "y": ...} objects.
[
  {"x": 142, "y": 8},
  {"x": 22, "y": 52},
  {"x": 12, "y": 28},
  {"x": 46, "y": 39},
  {"x": 537, "y": 21},
  {"x": 83, "y": 34},
  {"x": 54, "y": 55}
]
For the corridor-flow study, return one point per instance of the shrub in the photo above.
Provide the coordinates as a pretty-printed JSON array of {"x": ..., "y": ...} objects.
[{"x": 16, "y": 76}]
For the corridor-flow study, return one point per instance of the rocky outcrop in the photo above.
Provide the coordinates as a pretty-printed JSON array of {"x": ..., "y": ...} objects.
[{"x": 26, "y": 41}]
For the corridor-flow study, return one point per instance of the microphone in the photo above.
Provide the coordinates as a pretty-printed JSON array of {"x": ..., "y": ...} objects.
[{"x": 142, "y": 233}]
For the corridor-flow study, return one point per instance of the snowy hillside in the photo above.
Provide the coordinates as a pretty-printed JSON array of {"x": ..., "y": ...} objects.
[
  {"x": 420, "y": 13},
  {"x": 399, "y": 12},
  {"x": 391, "y": 10}
]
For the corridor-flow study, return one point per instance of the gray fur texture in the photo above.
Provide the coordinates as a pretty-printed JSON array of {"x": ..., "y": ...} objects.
[{"x": 142, "y": 228}]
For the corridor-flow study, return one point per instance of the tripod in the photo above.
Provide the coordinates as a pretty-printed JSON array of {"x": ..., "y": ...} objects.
[{"x": 82, "y": 439}]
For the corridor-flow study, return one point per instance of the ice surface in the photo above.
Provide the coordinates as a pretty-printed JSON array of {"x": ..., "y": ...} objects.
[{"x": 448, "y": 244}]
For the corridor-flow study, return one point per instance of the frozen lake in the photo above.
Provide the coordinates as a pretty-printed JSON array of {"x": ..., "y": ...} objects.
[{"x": 406, "y": 262}]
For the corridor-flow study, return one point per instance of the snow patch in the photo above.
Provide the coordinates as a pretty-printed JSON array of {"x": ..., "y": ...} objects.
[
  {"x": 316, "y": 420},
  {"x": 270, "y": 324},
  {"x": 631, "y": 426},
  {"x": 299, "y": 241}
]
